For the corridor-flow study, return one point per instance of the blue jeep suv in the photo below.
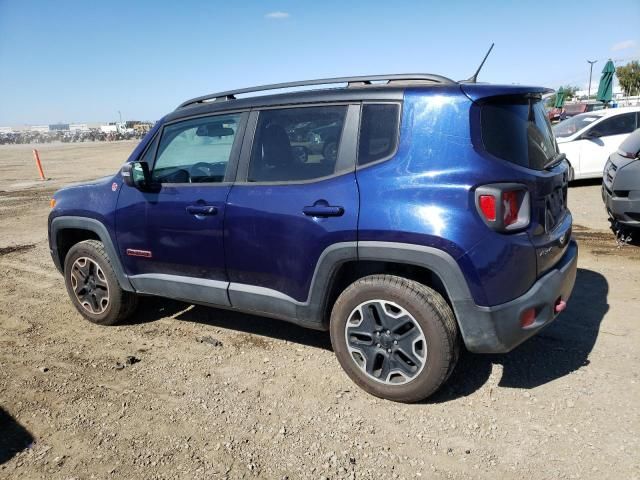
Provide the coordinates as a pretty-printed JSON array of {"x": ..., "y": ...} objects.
[{"x": 406, "y": 214}]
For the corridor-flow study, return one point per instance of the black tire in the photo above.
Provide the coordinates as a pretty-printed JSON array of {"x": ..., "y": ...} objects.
[
  {"x": 428, "y": 309},
  {"x": 119, "y": 304}
]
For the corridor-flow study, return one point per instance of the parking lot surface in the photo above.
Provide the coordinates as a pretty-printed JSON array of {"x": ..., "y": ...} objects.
[{"x": 185, "y": 391}]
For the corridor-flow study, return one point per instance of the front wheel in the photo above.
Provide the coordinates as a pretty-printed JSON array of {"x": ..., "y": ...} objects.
[
  {"x": 93, "y": 287},
  {"x": 395, "y": 338}
]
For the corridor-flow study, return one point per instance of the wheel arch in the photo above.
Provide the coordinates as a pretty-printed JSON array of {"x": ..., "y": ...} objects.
[
  {"x": 430, "y": 266},
  {"x": 67, "y": 231},
  {"x": 349, "y": 272}
]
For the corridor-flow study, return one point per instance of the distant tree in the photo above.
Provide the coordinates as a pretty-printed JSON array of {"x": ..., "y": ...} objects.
[
  {"x": 569, "y": 94},
  {"x": 629, "y": 78},
  {"x": 570, "y": 91}
]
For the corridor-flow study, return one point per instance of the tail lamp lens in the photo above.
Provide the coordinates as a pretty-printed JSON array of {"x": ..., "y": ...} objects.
[
  {"x": 504, "y": 206},
  {"x": 511, "y": 207},
  {"x": 488, "y": 207}
]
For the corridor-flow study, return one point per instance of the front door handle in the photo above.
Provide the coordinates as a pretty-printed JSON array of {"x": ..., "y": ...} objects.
[
  {"x": 322, "y": 209},
  {"x": 199, "y": 210}
]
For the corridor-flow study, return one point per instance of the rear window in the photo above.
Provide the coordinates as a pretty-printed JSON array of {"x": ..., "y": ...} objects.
[{"x": 518, "y": 130}]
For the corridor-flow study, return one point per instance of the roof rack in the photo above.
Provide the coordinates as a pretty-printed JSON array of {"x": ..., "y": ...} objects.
[{"x": 350, "y": 81}]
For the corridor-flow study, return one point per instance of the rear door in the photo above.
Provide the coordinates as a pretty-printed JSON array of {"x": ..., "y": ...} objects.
[
  {"x": 295, "y": 195},
  {"x": 171, "y": 239}
]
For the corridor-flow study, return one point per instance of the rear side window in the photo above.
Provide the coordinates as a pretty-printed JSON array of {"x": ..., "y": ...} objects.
[
  {"x": 378, "y": 132},
  {"x": 296, "y": 144},
  {"x": 617, "y": 125},
  {"x": 518, "y": 130}
]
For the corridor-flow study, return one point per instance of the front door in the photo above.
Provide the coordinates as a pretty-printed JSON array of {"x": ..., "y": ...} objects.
[
  {"x": 171, "y": 238},
  {"x": 295, "y": 196}
]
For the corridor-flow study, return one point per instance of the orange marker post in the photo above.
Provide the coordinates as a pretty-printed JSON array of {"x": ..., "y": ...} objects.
[{"x": 38, "y": 164}]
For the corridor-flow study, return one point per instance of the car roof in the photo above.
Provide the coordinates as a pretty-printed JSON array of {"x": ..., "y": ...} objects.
[
  {"x": 608, "y": 112},
  {"x": 360, "y": 88}
]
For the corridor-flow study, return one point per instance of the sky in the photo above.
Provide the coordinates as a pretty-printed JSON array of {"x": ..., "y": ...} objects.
[{"x": 85, "y": 61}]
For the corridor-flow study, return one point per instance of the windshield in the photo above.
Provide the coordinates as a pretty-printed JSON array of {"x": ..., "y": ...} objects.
[
  {"x": 517, "y": 129},
  {"x": 568, "y": 127}
]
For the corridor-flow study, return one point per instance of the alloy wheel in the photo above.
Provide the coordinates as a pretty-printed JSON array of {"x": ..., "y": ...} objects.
[
  {"x": 90, "y": 285},
  {"x": 386, "y": 342}
]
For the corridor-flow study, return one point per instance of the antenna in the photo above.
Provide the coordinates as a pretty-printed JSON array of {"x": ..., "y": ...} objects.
[{"x": 474, "y": 77}]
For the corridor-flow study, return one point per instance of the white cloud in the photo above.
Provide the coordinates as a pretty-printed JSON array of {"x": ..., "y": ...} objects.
[
  {"x": 623, "y": 45},
  {"x": 277, "y": 15}
]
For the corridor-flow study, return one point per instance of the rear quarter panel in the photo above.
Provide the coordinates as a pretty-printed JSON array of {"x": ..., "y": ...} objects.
[{"x": 425, "y": 195}]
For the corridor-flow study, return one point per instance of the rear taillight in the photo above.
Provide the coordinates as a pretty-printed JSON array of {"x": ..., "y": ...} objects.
[
  {"x": 504, "y": 207},
  {"x": 511, "y": 207},
  {"x": 487, "y": 204}
]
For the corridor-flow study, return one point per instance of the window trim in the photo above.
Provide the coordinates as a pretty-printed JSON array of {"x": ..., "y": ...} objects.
[
  {"x": 150, "y": 145},
  {"x": 347, "y": 152},
  {"x": 232, "y": 166},
  {"x": 398, "y": 130}
]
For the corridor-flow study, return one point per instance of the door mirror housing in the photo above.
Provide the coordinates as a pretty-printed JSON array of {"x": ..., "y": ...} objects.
[
  {"x": 136, "y": 175},
  {"x": 591, "y": 134}
]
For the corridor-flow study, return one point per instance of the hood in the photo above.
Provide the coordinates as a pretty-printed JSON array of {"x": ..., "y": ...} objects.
[
  {"x": 619, "y": 161},
  {"x": 87, "y": 183},
  {"x": 98, "y": 181}
]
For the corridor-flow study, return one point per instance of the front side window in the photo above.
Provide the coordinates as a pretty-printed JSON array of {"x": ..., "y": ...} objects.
[
  {"x": 572, "y": 125},
  {"x": 196, "y": 151},
  {"x": 618, "y": 125},
  {"x": 296, "y": 144},
  {"x": 378, "y": 132}
]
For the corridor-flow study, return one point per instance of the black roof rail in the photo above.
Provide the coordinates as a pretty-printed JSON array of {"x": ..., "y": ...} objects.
[{"x": 350, "y": 81}]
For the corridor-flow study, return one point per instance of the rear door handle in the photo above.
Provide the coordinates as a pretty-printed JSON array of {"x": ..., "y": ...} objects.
[
  {"x": 322, "y": 209},
  {"x": 201, "y": 210}
]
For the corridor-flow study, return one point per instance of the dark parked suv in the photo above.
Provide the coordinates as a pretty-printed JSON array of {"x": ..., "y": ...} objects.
[
  {"x": 438, "y": 219},
  {"x": 621, "y": 183}
]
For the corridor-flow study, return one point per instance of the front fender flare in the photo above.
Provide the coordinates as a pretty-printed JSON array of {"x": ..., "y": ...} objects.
[{"x": 83, "y": 223}]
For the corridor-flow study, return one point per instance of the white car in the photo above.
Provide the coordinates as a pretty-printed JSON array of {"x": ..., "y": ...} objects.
[{"x": 589, "y": 138}]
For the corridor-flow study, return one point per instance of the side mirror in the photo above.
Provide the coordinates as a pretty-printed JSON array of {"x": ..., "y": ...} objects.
[
  {"x": 136, "y": 175},
  {"x": 590, "y": 134}
]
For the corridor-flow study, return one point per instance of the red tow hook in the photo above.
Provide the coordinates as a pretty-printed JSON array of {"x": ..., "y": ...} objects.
[{"x": 560, "y": 305}]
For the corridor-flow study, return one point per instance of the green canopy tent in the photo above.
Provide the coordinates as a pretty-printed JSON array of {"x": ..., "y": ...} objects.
[
  {"x": 560, "y": 97},
  {"x": 605, "y": 89}
]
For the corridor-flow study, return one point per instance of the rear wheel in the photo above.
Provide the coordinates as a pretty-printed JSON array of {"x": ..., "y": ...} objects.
[
  {"x": 93, "y": 287},
  {"x": 394, "y": 337}
]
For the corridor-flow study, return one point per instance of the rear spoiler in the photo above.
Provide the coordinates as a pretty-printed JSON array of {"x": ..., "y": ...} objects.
[{"x": 479, "y": 91}]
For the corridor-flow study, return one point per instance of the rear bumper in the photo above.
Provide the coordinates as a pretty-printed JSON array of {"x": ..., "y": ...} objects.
[
  {"x": 497, "y": 329},
  {"x": 619, "y": 208}
]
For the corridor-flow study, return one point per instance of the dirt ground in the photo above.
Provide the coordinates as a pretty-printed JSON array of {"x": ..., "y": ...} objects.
[{"x": 264, "y": 399}]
